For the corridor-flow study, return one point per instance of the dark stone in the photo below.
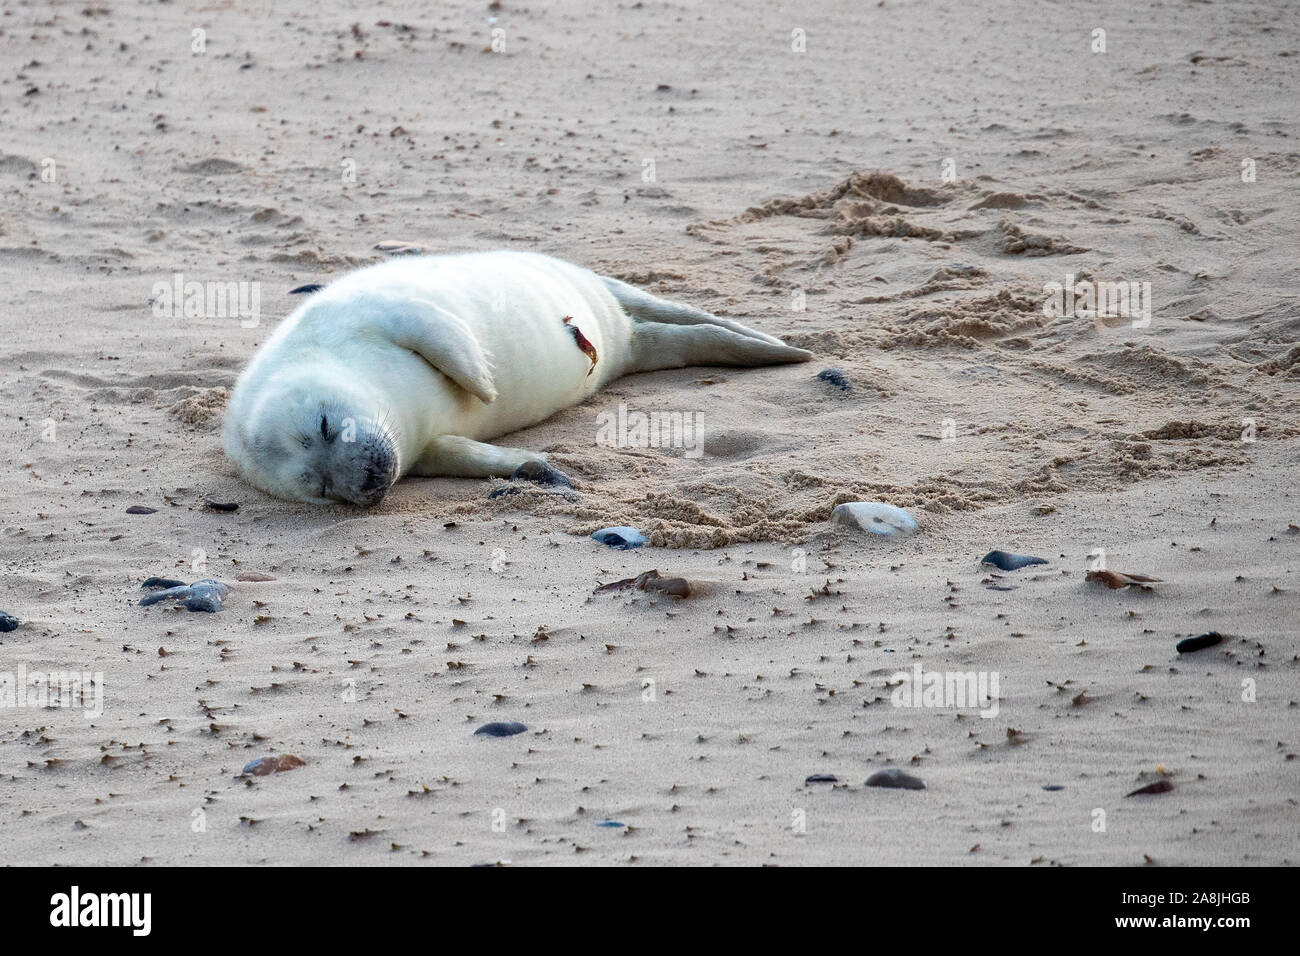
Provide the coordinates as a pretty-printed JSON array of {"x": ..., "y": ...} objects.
[
  {"x": 205, "y": 595},
  {"x": 835, "y": 377},
  {"x": 501, "y": 729},
  {"x": 1006, "y": 561},
  {"x": 1160, "y": 786},
  {"x": 893, "y": 777},
  {"x": 162, "y": 583},
  {"x": 1198, "y": 643}
]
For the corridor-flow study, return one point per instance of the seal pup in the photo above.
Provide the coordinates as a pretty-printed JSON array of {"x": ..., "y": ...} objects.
[{"x": 409, "y": 366}]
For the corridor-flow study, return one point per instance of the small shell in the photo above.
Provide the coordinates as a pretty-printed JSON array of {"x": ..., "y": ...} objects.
[{"x": 265, "y": 765}]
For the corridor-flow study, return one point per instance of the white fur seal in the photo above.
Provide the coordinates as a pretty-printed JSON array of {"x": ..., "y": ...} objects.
[{"x": 406, "y": 367}]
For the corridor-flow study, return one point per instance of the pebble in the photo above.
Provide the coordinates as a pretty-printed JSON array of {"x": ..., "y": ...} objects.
[
  {"x": 1198, "y": 643},
  {"x": 822, "y": 778},
  {"x": 611, "y": 824},
  {"x": 205, "y": 595},
  {"x": 875, "y": 517},
  {"x": 264, "y": 765},
  {"x": 1053, "y": 786},
  {"x": 162, "y": 583},
  {"x": 501, "y": 729},
  {"x": 305, "y": 289},
  {"x": 1160, "y": 786},
  {"x": 222, "y": 505},
  {"x": 141, "y": 510},
  {"x": 1006, "y": 561},
  {"x": 7, "y": 622},
  {"x": 397, "y": 247},
  {"x": 835, "y": 377},
  {"x": 623, "y": 538},
  {"x": 893, "y": 777}
]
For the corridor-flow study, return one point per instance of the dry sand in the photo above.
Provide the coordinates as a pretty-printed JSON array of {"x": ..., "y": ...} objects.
[{"x": 386, "y": 637}]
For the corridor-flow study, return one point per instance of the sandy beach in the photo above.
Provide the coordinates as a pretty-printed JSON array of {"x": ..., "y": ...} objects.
[{"x": 897, "y": 187}]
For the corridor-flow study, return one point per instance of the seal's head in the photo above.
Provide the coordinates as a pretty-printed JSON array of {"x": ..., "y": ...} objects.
[{"x": 306, "y": 443}]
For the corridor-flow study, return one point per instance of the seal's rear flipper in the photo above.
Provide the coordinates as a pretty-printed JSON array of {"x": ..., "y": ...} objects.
[
  {"x": 656, "y": 345},
  {"x": 672, "y": 335},
  {"x": 644, "y": 307}
]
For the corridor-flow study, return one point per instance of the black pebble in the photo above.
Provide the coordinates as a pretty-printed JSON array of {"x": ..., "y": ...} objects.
[
  {"x": 304, "y": 289},
  {"x": 1006, "y": 561},
  {"x": 1198, "y": 643},
  {"x": 893, "y": 777},
  {"x": 223, "y": 505},
  {"x": 501, "y": 729},
  {"x": 1052, "y": 786},
  {"x": 836, "y": 378},
  {"x": 504, "y": 491},
  {"x": 141, "y": 510},
  {"x": 822, "y": 778},
  {"x": 162, "y": 583},
  {"x": 7, "y": 622}
]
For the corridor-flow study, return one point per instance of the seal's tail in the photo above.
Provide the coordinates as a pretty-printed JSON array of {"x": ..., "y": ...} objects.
[{"x": 673, "y": 335}]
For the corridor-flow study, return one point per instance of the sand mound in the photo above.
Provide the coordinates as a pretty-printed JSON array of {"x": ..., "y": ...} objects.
[{"x": 203, "y": 409}]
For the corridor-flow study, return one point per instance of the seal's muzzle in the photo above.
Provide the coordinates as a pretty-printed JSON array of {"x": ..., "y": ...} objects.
[{"x": 376, "y": 470}]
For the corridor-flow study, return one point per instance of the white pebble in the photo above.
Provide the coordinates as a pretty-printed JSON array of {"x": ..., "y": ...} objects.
[{"x": 875, "y": 517}]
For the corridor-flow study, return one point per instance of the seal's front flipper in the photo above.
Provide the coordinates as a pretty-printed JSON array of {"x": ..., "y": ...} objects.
[
  {"x": 450, "y": 456},
  {"x": 441, "y": 339},
  {"x": 656, "y": 345}
]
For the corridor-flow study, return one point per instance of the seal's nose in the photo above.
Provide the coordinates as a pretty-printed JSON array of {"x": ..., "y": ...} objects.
[
  {"x": 372, "y": 499},
  {"x": 380, "y": 471}
]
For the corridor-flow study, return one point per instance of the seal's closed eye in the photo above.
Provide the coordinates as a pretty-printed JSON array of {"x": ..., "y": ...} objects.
[{"x": 324, "y": 428}]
